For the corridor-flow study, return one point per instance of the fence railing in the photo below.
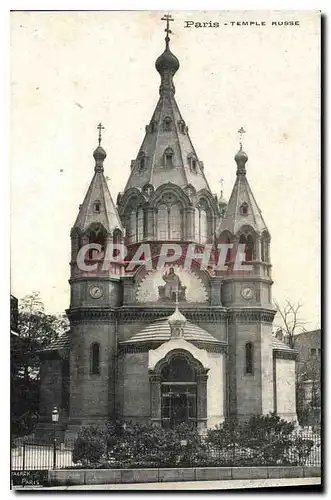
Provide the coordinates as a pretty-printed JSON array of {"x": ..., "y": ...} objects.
[{"x": 34, "y": 454}]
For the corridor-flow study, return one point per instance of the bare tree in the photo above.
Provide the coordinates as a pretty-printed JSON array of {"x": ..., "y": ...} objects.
[{"x": 290, "y": 322}]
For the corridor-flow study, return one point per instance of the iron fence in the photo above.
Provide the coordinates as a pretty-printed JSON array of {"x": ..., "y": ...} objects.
[{"x": 34, "y": 454}]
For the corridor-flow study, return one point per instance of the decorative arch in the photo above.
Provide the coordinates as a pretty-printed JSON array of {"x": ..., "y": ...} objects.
[
  {"x": 180, "y": 353},
  {"x": 170, "y": 189},
  {"x": 95, "y": 233},
  {"x": 173, "y": 404},
  {"x": 132, "y": 197},
  {"x": 206, "y": 197}
]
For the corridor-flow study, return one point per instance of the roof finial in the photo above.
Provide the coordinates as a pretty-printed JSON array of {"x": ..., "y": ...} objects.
[
  {"x": 221, "y": 181},
  {"x": 99, "y": 154},
  {"x": 100, "y": 127},
  {"x": 241, "y": 133},
  {"x": 167, "y": 18},
  {"x": 176, "y": 294},
  {"x": 241, "y": 157}
]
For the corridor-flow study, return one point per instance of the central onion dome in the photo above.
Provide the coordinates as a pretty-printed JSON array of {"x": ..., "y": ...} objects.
[
  {"x": 241, "y": 157},
  {"x": 99, "y": 154},
  {"x": 167, "y": 62}
]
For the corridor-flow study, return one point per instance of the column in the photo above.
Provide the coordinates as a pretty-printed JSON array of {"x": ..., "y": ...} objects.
[
  {"x": 189, "y": 214},
  {"x": 149, "y": 224},
  {"x": 202, "y": 400},
  {"x": 215, "y": 295},
  {"x": 155, "y": 398}
]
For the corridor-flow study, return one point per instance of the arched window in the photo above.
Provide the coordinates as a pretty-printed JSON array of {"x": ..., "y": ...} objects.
[
  {"x": 168, "y": 157},
  {"x": 249, "y": 358},
  {"x": 203, "y": 226},
  {"x": 96, "y": 235},
  {"x": 181, "y": 126},
  {"x": 250, "y": 248},
  {"x": 131, "y": 226},
  {"x": 193, "y": 163},
  {"x": 244, "y": 209},
  {"x": 96, "y": 206},
  {"x": 167, "y": 124},
  {"x": 197, "y": 225},
  {"x": 169, "y": 222},
  {"x": 243, "y": 241},
  {"x": 141, "y": 160},
  {"x": 95, "y": 358},
  {"x": 140, "y": 224},
  {"x": 175, "y": 223},
  {"x": 162, "y": 222},
  {"x": 265, "y": 247}
]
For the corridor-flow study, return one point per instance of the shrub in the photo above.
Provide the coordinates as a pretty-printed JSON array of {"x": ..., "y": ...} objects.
[
  {"x": 90, "y": 447},
  {"x": 263, "y": 440}
]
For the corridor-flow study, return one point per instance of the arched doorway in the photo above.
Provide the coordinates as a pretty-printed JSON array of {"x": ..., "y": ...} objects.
[{"x": 178, "y": 393}]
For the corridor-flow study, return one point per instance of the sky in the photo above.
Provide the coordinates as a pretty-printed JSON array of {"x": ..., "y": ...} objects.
[{"x": 71, "y": 70}]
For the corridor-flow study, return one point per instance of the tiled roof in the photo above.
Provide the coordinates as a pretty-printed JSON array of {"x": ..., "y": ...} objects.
[
  {"x": 159, "y": 331},
  {"x": 63, "y": 342},
  {"x": 278, "y": 345}
]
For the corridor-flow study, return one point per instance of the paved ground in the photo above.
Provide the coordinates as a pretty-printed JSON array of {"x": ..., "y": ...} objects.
[{"x": 194, "y": 485}]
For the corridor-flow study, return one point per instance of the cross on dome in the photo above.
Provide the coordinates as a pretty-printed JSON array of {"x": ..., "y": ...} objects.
[
  {"x": 100, "y": 127},
  {"x": 241, "y": 133},
  {"x": 167, "y": 18}
]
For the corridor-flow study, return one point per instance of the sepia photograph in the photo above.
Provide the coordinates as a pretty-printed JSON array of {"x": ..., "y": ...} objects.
[{"x": 165, "y": 214}]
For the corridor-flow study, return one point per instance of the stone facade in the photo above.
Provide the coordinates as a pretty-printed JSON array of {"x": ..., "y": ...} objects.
[{"x": 168, "y": 344}]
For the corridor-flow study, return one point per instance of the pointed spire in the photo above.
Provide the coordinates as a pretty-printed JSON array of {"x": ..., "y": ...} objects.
[
  {"x": 167, "y": 64},
  {"x": 99, "y": 154},
  {"x": 98, "y": 205},
  {"x": 241, "y": 157},
  {"x": 242, "y": 208}
]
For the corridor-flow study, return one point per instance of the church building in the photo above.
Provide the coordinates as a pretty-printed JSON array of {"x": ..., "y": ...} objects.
[{"x": 167, "y": 344}]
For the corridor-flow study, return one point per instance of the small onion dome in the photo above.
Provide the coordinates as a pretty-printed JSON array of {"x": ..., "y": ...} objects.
[
  {"x": 99, "y": 154},
  {"x": 177, "y": 318},
  {"x": 167, "y": 62},
  {"x": 222, "y": 201},
  {"x": 241, "y": 157}
]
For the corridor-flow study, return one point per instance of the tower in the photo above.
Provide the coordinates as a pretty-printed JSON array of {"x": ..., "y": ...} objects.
[
  {"x": 94, "y": 296},
  {"x": 246, "y": 292}
]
